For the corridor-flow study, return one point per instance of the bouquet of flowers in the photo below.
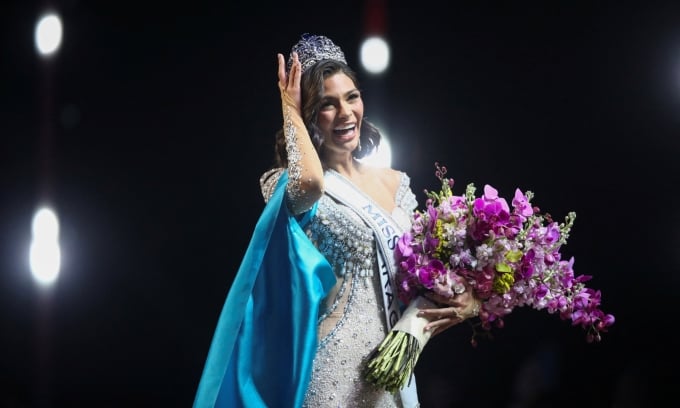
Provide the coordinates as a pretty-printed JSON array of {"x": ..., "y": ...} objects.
[{"x": 509, "y": 257}]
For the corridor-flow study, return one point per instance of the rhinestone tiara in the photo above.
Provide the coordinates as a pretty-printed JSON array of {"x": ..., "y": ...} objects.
[{"x": 314, "y": 48}]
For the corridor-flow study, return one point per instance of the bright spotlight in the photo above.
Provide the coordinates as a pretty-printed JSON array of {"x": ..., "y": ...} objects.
[
  {"x": 48, "y": 33},
  {"x": 375, "y": 55},
  {"x": 382, "y": 157},
  {"x": 44, "y": 254}
]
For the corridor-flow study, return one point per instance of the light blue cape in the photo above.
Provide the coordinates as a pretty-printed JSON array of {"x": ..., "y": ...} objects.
[{"x": 263, "y": 347}]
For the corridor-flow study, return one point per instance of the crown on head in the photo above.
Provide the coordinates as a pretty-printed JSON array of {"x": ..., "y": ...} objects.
[{"x": 314, "y": 48}]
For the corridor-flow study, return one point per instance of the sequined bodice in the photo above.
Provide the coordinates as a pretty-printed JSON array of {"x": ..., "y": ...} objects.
[
  {"x": 345, "y": 240},
  {"x": 352, "y": 321}
]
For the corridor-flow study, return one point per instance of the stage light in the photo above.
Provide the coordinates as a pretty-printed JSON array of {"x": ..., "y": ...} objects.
[
  {"x": 382, "y": 157},
  {"x": 375, "y": 55},
  {"x": 44, "y": 253},
  {"x": 48, "y": 34}
]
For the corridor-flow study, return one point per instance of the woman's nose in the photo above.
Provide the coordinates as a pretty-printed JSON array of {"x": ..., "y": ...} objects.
[{"x": 345, "y": 110}]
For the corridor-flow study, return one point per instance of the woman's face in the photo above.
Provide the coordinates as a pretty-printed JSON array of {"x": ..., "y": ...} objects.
[{"x": 340, "y": 113}]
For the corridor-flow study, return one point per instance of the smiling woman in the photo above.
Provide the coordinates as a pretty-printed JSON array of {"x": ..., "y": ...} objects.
[
  {"x": 340, "y": 114},
  {"x": 314, "y": 321},
  {"x": 162, "y": 164}
]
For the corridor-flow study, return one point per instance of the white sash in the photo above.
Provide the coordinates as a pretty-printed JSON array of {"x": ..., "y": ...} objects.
[{"x": 387, "y": 233}]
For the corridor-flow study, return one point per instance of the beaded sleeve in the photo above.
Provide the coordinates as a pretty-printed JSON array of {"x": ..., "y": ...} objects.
[
  {"x": 290, "y": 132},
  {"x": 305, "y": 173}
]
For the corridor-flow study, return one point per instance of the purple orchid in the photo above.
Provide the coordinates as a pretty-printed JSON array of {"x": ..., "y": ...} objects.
[{"x": 510, "y": 258}]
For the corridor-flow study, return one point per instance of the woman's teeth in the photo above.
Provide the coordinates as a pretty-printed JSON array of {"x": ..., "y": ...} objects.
[{"x": 344, "y": 131}]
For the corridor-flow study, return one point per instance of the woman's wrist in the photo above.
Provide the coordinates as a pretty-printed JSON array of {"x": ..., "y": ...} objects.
[{"x": 475, "y": 309}]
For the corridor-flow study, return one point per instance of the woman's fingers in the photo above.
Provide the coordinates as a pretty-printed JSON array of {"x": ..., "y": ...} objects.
[
  {"x": 292, "y": 79},
  {"x": 289, "y": 83},
  {"x": 295, "y": 72},
  {"x": 442, "y": 318},
  {"x": 439, "y": 313},
  {"x": 282, "y": 71},
  {"x": 439, "y": 325},
  {"x": 453, "y": 310}
]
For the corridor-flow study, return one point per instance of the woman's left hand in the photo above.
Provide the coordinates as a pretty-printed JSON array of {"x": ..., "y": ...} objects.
[{"x": 459, "y": 308}]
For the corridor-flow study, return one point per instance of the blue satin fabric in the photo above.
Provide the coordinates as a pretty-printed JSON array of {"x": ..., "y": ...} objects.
[{"x": 263, "y": 347}]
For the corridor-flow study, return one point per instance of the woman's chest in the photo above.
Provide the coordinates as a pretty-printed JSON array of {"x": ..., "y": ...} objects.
[{"x": 342, "y": 237}]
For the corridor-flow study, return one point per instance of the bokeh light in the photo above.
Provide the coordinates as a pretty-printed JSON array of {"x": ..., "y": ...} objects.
[
  {"x": 375, "y": 55},
  {"x": 48, "y": 34},
  {"x": 45, "y": 254}
]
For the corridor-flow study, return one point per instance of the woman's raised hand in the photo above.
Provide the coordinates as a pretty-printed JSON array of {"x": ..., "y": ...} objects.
[{"x": 289, "y": 84}]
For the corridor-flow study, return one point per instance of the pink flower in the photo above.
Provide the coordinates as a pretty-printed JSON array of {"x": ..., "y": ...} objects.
[
  {"x": 509, "y": 258},
  {"x": 521, "y": 204},
  {"x": 404, "y": 245}
]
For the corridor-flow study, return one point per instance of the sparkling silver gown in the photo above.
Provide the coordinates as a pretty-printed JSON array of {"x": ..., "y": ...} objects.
[{"x": 352, "y": 321}]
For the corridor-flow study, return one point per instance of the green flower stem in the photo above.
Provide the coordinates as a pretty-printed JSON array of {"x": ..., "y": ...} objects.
[{"x": 393, "y": 361}]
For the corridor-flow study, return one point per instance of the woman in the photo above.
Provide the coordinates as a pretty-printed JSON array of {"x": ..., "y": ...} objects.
[{"x": 314, "y": 295}]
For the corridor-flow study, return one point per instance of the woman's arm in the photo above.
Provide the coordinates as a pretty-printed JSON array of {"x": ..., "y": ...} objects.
[{"x": 305, "y": 173}]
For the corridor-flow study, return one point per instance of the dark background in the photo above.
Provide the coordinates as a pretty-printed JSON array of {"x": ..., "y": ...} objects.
[{"x": 149, "y": 130}]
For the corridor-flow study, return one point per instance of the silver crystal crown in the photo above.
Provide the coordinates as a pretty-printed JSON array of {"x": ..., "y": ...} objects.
[{"x": 314, "y": 48}]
